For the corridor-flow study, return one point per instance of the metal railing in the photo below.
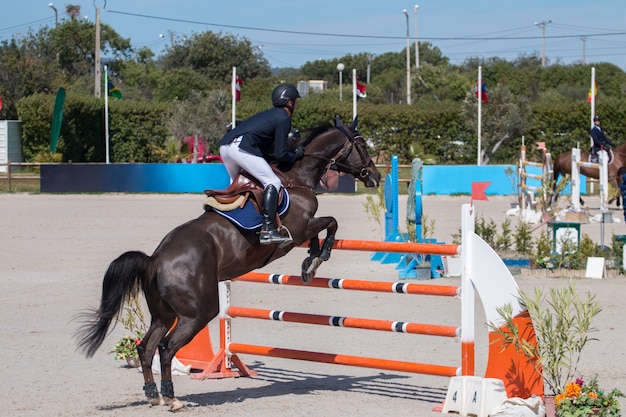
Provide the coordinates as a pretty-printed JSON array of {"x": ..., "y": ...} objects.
[{"x": 10, "y": 177}]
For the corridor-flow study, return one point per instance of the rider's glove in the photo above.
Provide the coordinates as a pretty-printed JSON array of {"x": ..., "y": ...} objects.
[{"x": 299, "y": 151}]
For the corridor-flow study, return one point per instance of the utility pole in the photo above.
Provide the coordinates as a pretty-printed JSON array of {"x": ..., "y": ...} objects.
[
  {"x": 584, "y": 39},
  {"x": 408, "y": 60},
  {"x": 543, "y": 24},
  {"x": 417, "y": 51},
  {"x": 97, "y": 75}
]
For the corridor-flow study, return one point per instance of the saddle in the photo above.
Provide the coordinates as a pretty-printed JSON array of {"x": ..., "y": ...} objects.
[
  {"x": 594, "y": 158},
  {"x": 242, "y": 189}
]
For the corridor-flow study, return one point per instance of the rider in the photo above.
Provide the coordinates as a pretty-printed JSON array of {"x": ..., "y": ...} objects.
[
  {"x": 599, "y": 139},
  {"x": 251, "y": 145}
]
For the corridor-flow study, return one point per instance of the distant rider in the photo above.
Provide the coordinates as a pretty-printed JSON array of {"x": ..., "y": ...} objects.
[
  {"x": 251, "y": 145},
  {"x": 599, "y": 139}
]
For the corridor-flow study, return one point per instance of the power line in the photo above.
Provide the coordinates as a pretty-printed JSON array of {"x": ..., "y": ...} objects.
[{"x": 343, "y": 35}]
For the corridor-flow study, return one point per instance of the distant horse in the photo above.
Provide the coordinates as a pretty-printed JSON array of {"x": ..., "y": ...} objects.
[
  {"x": 563, "y": 166},
  {"x": 180, "y": 279}
]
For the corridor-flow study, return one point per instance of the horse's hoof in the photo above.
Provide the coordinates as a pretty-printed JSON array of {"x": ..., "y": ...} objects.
[
  {"x": 306, "y": 274},
  {"x": 176, "y": 405},
  {"x": 155, "y": 400}
]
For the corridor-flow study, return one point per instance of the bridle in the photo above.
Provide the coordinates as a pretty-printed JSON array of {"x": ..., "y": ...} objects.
[{"x": 355, "y": 141}]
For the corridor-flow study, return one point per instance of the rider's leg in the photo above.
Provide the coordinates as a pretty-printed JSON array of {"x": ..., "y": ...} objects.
[
  {"x": 269, "y": 234},
  {"x": 262, "y": 171}
]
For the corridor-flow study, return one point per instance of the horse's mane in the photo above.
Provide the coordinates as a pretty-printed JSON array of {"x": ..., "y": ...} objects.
[{"x": 315, "y": 132}]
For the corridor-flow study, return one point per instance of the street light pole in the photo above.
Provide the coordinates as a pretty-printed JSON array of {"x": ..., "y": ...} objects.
[
  {"x": 543, "y": 24},
  {"x": 340, "y": 68},
  {"x": 56, "y": 14},
  {"x": 408, "y": 59},
  {"x": 417, "y": 51},
  {"x": 97, "y": 73}
]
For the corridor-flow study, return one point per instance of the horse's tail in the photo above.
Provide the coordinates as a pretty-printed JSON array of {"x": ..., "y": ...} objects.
[{"x": 125, "y": 276}]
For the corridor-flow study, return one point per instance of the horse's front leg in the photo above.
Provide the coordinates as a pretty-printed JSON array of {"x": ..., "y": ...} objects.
[{"x": 317, "y": 256}]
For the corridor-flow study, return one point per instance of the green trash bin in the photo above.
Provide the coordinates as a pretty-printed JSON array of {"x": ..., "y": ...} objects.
[{"x": 564, "y": 232}]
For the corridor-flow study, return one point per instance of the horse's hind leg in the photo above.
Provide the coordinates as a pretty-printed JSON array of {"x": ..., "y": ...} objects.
[
  {"x": 146, "y": 354},
  {"x": 185, "y": 330}
]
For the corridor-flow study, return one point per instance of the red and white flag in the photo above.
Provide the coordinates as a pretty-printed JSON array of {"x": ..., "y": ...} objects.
[
  {"x": 360, "y": 90},
  {"x": 238, "y": 83}
]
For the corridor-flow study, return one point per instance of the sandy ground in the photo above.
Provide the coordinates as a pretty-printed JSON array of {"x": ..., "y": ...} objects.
[{"x": 55, "y": 249}]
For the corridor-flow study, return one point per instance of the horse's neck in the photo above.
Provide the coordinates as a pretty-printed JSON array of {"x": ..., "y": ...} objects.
[{"x": 309, "y": 170}]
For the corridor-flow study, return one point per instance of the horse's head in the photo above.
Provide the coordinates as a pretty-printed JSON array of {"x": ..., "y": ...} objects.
[{"x": 344, "y": 149}]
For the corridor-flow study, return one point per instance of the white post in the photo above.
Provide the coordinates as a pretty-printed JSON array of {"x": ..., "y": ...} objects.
[
  {"x": 225, "y": 335},
  {"x": 480, "y": 100},
  {"x": 354, "y": 97},
  {"x": 233, "y": 89},
  {"x": 593, "y": 94},
  {"x": 106, "y": 113},
  {"x": 604, "y": 181},
  {"x": 575, "y": 180},
  {"x": 467, "y": 288}
]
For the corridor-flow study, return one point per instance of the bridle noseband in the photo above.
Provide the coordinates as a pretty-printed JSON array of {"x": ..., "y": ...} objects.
[{"x": 353, "y": 136}]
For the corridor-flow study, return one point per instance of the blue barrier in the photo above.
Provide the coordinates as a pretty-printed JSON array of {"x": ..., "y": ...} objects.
[{"x": 410, "y": 265}]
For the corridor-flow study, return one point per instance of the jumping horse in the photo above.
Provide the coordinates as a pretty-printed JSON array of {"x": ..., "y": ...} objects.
[
  {"x": 179, "y": 280},
  {"x": 562, "y": 165}
]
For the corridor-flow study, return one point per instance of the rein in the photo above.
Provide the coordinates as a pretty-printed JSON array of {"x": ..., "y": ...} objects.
[{"x": 346, "y": 149}]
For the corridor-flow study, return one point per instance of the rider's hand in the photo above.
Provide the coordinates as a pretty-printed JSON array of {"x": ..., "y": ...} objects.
[{"x": 299, "y": 151}]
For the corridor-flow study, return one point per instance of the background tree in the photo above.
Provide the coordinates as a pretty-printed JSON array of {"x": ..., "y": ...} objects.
[{"x": 505, "y": 118}]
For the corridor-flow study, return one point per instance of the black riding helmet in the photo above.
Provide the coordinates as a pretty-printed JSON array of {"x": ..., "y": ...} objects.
[
  {"x": 596, "y": 117},
  {"x": 283, "y": 93}
]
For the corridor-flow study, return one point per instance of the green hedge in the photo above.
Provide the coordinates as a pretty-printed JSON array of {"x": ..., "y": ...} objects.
[
  {"x": 133, "y": 127},
  {"x": 437, "y": 134}
]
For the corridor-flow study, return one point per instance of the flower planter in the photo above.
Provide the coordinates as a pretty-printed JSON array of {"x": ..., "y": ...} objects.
[{"x": 133, "y": 362}]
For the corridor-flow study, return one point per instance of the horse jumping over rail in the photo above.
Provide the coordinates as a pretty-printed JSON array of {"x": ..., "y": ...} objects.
[
  {"x": 180, "y": 279},
  {"x": 563, "y": 166}
]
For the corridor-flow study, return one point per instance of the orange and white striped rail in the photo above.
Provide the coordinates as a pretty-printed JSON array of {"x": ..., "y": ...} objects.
[{"x": 482, "y": 270}]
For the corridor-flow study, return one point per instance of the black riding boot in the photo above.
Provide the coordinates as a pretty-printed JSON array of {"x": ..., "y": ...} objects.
[{"x": 269, "y": 234}]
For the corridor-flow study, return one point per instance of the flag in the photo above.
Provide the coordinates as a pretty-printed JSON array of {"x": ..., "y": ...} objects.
[
  {"x": 238, "y": 83},
  {"x": 360, "y": 90},
  {"x": 483, "y": 93},
  {"x": 114, "y": 91},
  {"x": 593, "y": 93},
  {"x": 478, "y": 190}
]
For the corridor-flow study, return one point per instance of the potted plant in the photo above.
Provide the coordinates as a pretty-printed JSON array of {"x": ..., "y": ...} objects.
[
  {"x": 587, "y": 399},
  {"x": 126, "y": 349},
  {"x": 133, "y": 320},
  {"x": 562, "y": 324}
]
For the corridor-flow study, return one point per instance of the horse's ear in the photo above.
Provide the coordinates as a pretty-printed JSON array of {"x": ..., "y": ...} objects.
[
  {"x": 337, "y": 121},
  {"x": 354, "y": 123}
]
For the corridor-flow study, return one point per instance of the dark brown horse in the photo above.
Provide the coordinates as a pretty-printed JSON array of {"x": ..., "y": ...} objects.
[
  {"x": 563, "y": 166},
  {"x": 180, "y": 279}
]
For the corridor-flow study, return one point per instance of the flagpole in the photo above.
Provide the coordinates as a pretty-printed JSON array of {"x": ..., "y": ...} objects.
[
  {"x": 354, "y": 98},
  {"x": 233, "y": 90},
  {"x": 106, "y": 113},
  {"x": 479, "y": 87},
  {"x": 593, "y": 94}
]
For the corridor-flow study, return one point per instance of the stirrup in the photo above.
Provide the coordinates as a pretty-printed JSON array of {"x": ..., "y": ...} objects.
[{"x": 268, "y": 237}]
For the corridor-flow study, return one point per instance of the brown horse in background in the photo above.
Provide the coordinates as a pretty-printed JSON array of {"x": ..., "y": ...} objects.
[
  {"x": 562, "y": 165},
  {"x": 180, "y": 279}
]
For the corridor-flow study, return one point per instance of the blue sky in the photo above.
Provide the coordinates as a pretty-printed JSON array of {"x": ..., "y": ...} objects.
[{"x": 291, "y": 33}]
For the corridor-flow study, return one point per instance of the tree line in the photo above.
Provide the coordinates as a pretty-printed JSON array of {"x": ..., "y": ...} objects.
[{"x": 186, "y": 92}]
